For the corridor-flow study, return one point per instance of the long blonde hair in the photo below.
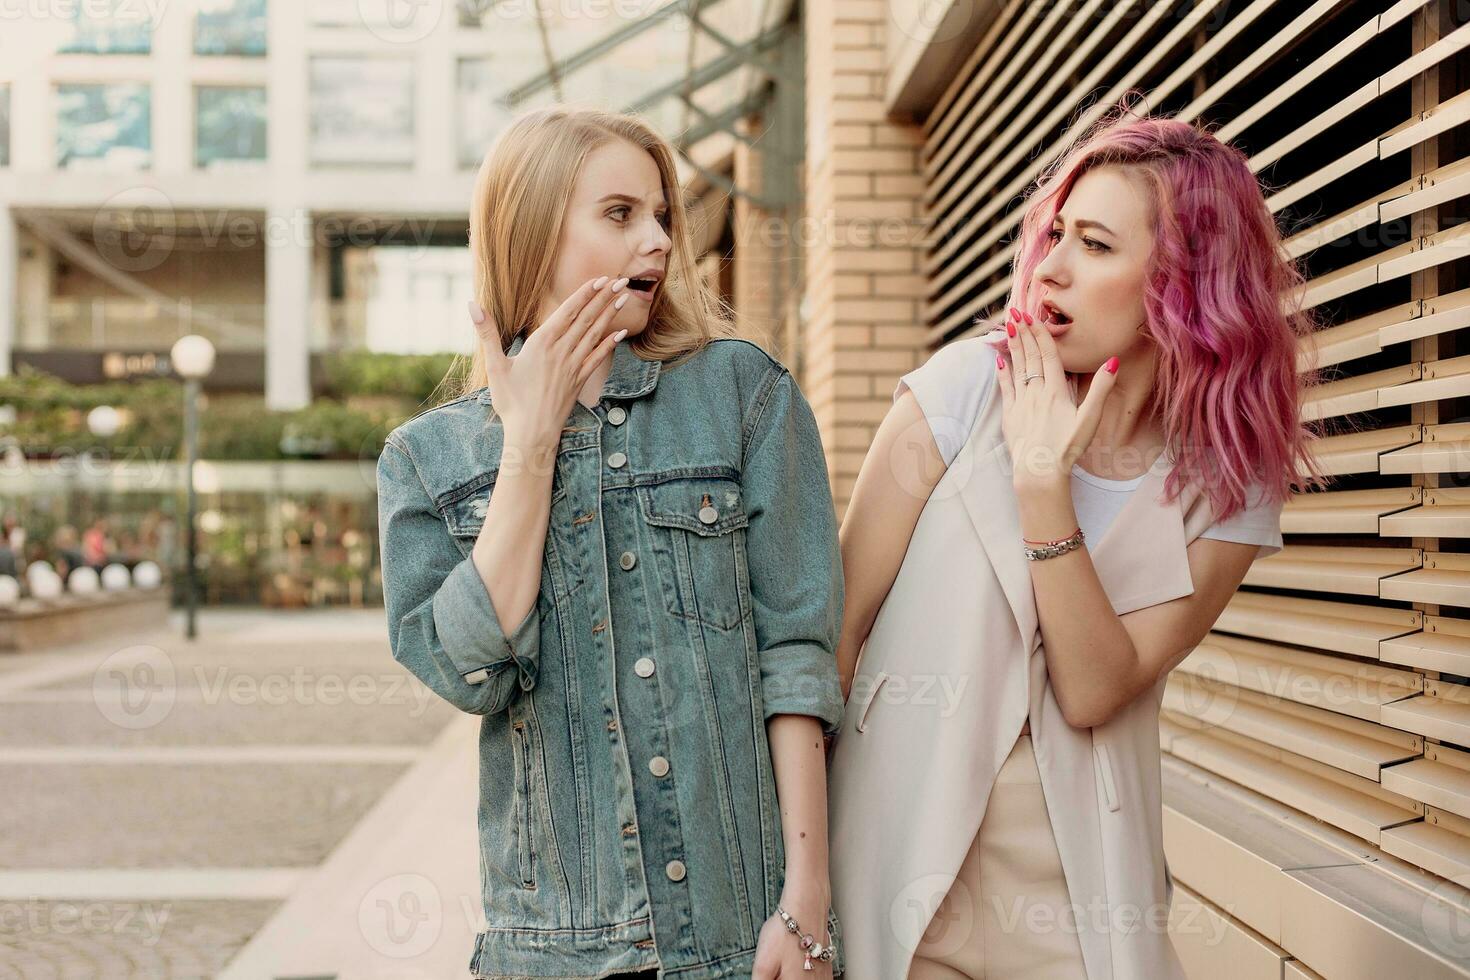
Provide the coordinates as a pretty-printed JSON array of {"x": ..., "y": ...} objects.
[{"x": 516, "y": 215}]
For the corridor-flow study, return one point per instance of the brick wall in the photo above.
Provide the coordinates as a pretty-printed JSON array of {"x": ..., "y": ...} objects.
[{"x": 860, "y": 235}]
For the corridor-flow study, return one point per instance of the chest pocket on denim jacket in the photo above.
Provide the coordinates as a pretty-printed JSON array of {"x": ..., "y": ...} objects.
[
  {"x": 698, "y": 538},
  {"x": 464, "y": 507}
]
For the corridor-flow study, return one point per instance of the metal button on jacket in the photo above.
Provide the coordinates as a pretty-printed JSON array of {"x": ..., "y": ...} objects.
[
  {"x": 644, "y": 667},
  {"x": 616, "y": 460},
  {"x": 658, "y": 765},
  {"x": 617, "y": 415},
  {"x": 708, "y": 514},
  {"x": 628, "y": 560},
  {"x": 675, "y": 870}
]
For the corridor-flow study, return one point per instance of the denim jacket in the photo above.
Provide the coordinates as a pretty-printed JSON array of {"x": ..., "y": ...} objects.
[{"x": 691, "y": 588}]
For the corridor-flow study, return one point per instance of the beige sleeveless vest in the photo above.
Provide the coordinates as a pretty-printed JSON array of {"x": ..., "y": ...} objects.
[{"x": 952, "y": 668}]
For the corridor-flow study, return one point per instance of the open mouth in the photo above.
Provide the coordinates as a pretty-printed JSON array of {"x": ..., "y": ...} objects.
[
  {"x": 1056, "y": 316},
  {"x": 643, "y": 285}
]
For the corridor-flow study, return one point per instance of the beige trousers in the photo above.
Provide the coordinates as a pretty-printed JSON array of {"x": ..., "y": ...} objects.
[{"x": 1006, "y": 915}]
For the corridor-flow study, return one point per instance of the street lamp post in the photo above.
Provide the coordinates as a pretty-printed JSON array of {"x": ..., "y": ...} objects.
[{"x": 192, "y": 358}]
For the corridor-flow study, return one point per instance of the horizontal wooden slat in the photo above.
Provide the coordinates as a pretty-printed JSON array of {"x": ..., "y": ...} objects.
[
  {"x": 1439, "y": 380},
  {"x": 1444, "y": 513},
  {"x": 1444, "y": 579},
  {"x": 1359, "y": 452},
  {"x": 1443, "y": 449},
  {"x": 1358, "y": 393},
  {"x": 1442, "y": 118},
  {"x": 1352, "y": 571},
  {"x": 1343, "y": 627},
  {"x": 1440, "y": 851},
  {"x": 1336, "y": 803},
  {"x": 1353, "y": 339},
  {"x": 1432, "y": 717},
  {"x": 1345, "y": 511},
  {"x": 1325, "y": 681},
  {"x": 1299, "y": 729},
  {"x": 1438, "y": 315},
  {"x": 1438, "y": 186},
  {"x": 1431, "y": 782},
  {"x": 1345, "y": 222},
  {"x": 1444, "y": 646}
]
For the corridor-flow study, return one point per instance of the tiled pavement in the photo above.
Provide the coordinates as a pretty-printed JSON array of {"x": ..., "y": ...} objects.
[{"x": 164, "y": 802}]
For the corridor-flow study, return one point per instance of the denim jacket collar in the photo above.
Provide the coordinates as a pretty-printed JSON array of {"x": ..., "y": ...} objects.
[{"x": 630, "y": 376}]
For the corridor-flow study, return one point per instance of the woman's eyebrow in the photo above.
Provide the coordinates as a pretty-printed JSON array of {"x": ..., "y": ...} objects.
[
  {"x": 1086, "y": 223},
  {"x": 620, "y": 197}
]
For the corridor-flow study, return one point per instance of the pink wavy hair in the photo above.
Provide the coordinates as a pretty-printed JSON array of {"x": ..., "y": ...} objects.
[{"x": 1222, "y": 305}]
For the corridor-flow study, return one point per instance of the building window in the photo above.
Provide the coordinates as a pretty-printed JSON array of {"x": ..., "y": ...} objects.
[
  {"x": 107, "y": 126},
  {"x": 362, "y": 111},
  {"x": 109, "y": 27},
  {"x": 231, "y": 27},
  {"x": 4, "y": 125},
  {"x": 229, "y": 124},
  {"x": 481, "y": 112}
]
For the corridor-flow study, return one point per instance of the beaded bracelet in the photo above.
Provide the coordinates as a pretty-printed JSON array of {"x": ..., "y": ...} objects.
[{"x": 814, "y": 949}]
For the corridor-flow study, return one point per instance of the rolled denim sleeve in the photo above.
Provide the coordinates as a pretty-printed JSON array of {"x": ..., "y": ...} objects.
[
  {"x": 441, "y": 622},
  {"x": 793, "y": 556}
]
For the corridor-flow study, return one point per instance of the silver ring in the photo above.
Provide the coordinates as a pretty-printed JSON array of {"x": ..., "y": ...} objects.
[{"x": 1030, "y": 378}]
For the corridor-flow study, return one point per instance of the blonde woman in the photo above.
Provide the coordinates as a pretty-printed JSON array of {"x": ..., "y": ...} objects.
[
  {"x": 1050, "y": 518},
  {"x": 617, "y": 544}
]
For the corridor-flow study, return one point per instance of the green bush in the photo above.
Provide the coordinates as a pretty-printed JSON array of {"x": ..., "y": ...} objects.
[
  {"x": 411, "y": 376},
  {"x": 51, "y": 415}
]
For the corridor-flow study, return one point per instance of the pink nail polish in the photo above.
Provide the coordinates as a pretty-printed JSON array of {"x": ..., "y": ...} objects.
[
  {"x": 1000, "y": 362},
  {"x": 1112, "y": 364},
  {"x": 1010, "y": 329}
]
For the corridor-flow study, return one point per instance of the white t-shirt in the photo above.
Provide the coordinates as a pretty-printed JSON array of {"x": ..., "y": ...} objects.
[{"x": 956, "y": 383}]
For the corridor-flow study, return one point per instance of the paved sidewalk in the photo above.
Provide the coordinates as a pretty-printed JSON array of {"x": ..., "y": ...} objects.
[
  {"x": 399, "y": 899},
  {"x": 166, "y": 801}
]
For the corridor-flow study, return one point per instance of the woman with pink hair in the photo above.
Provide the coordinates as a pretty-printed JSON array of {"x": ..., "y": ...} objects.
[{"x": 1051, "y": 516}]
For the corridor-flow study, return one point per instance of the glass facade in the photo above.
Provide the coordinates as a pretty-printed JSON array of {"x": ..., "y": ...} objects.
[
  {"x": 107, "y": 126},
  {"x": 231, "y": 27},
  {"x": 230, "y": 124},
  {"x": 115, "y": 27},
  {"x": 362, "y": 111},
  {"x": 482, "y": 113}
]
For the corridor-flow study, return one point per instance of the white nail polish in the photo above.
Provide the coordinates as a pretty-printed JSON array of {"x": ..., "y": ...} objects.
[{"x": 618, "y": 303}]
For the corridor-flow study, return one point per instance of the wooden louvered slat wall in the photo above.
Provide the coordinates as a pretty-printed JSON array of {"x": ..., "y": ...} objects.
[{"x": 1337, "y": 683}]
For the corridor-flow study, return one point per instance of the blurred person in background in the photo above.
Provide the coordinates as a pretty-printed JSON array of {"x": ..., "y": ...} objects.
[
  {"x": 67, "y": 551},
  {"x": 97, "y": 544}
]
